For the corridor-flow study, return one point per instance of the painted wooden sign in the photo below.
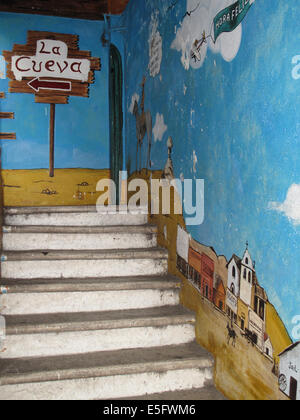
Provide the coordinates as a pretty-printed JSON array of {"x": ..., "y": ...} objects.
[
  {"x": 51, "y": 67},
  {"x": 6, "y": 115}
]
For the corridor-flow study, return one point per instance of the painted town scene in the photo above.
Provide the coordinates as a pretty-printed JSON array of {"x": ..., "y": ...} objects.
[{"x": 232, "y": 291}]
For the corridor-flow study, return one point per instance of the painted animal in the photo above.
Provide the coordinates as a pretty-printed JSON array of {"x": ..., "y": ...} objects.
[
  {"x": 143, "y": 127},
  {"x": 231, "y": 335}
]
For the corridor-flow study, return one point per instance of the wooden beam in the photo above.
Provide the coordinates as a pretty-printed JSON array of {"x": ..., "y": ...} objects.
[
  {"x": 80, "y": 9},
  {"x": 8, "y": 136},
  {"x": 7, "y": 115}
]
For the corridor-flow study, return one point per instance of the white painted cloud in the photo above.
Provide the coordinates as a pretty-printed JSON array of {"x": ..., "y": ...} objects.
[
  {"x": 192, "y": 28},
  {"x": 160, "y": 127},
  {"x": 291, "y": 206},
  {"x": 134, "y": 98}
]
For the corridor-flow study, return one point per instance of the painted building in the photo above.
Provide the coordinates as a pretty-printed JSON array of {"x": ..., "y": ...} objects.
[
  {"x": 268, "y": 347},
  {"x": 195, "y": 269},
  {"x": 182, "y": 250},
  {"x": 242, "y": 315},
  {"x": 257, "y": 327},
  {"x": 207, "y": 274},
  {"x": 234, "y": 270},
  {"x": 289, "y": 371},
  {"x": 259, "y": 299},
  {"x": 246, "y": 278},
  {"x": 233, "y": 287},
  {"x": 246, "y": 301},
  {"x": 219, "y": 293}
]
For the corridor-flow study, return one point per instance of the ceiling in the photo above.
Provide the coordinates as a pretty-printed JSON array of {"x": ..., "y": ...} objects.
[{"x": 81, "y": 9}]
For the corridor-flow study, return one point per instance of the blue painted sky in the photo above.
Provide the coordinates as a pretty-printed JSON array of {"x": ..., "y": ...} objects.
[
  {"x": 82, "y": 138},
  {"x": 241, "y": 118}
]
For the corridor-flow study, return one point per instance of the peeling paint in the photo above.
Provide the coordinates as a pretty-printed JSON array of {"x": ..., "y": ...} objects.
[
  {"x": 159, "y": 128},
  {"x": 155, "y": 47}
]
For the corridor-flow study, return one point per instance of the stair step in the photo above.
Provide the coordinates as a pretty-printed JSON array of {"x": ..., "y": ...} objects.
[
  {"x": 90, "y": 284},
  {"x": 84, "y": 263},
  {"x": 61, "y": 334},
  {"x": 19, "y": 238},
  {"x": 73, "y": 209},
  {"x": 81, "y": 229},
  {"x": 106, "y": 375},
  {"x": 65, "y": 255},
  {"x": 49, "y": 323},
  {"x": 25, "y": 297},
  {"x": 207, "y": 393},
  {"x": 74, "y": 216}
]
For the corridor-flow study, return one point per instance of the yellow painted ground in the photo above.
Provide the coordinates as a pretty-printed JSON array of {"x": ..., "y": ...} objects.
[{"x": 68, "y": 187}]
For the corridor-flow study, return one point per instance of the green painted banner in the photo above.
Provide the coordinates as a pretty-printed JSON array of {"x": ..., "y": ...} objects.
[{"x": 230, "y": 17}]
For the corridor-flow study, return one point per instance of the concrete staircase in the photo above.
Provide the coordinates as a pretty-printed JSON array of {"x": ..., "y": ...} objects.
[{"x": 91, "y": 312}]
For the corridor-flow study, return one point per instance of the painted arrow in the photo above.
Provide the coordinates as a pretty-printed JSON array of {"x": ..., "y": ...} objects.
[{"x": 37, "y": 84}]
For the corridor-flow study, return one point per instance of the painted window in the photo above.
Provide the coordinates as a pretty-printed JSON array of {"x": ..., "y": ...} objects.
[
  {"x": 256, "y": 304},
  {"x": 262, "y": 310}
]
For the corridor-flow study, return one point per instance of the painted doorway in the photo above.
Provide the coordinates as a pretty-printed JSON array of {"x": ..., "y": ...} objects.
[
  {"x": 116, "y": 116},
  {"x": 293, "y": 389}
]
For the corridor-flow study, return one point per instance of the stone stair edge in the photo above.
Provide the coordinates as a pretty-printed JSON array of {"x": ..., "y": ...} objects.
[
  {"x": 23, "y": 210},
  {"x": 117, "y": 362},
  {"x": 52, "y": 255},
  {"x": 119, "y": 229},
  {"x": 89, "y": 284},
  {"x": 105, "y": 320}
]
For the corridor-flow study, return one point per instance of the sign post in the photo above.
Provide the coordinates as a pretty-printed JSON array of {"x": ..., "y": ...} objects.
[
  {"x": 51, "y": 138},
  {"x": 51, "y": 67}
]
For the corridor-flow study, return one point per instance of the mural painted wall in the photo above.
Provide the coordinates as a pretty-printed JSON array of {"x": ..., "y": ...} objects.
[
  {"x": 81, "y": 126},
  {"x": 220, "y": 78}
]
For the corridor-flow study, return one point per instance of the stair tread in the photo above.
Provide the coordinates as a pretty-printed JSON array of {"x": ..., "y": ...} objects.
[
  {"x": 70, "y": 209},
  {"x": 105, "y": 363},
  {"x": 207, "y": 393},
  {"x": 48, "y": 255},
  {"x": 88, "y": 321},
  {"x": 130, "y": 229},
  {"x": 89, "y": 284}
]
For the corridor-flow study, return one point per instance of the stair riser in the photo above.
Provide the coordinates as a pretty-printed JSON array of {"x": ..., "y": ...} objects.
[
  {"x": 106, "y": 388},
  {"x": 80, "y": 342},
  {"x": 64, "y": 302},
  {"x": 83, "y": 268},
  {"x": 54, "y": 241},
  {"x": 75, "y": 219}
]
